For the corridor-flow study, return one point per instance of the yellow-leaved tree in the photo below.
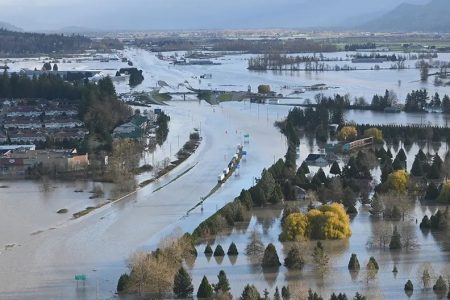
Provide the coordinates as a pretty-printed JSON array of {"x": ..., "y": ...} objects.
[
  {"x": 329, "y": 221},
  {"x": 347, "y": 133},
  {"x": 398, "y": 181},
  {"x": 295, "y": 227},
  {"x": 376, "y": 133},
  {"x": 337, "y": 224}
]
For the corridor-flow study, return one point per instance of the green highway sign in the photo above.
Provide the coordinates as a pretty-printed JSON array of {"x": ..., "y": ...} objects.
[{"x": 80, "y": 277}]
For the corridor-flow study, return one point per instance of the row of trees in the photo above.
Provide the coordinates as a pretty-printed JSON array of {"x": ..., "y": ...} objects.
[
  {"x": 273, "y": 45},
  {"x": 17, "y": 44},
  {"x": 408, "y": 133}
]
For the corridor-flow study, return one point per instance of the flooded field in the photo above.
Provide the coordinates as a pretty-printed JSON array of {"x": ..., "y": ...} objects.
[
  {"x": 55, "y": 248},
  {"x": 429, "y": 249}
]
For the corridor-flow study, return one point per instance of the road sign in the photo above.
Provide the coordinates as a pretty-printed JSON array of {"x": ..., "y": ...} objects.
[{"x": 80, "y": 277}]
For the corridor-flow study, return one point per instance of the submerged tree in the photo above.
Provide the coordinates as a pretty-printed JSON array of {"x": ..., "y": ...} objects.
[
  {"x": 270, "y": 258},
  {"x": 182, "y": 285},
  {"x": 395, "y": 242},
  {"x": 205, "y": 290}
]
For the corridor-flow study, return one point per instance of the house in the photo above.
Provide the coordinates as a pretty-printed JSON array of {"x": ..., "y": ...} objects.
[
  {"x": 60, "y": 111},
  {"x": 68, "y": 134},
  {"x": 23, "y": 111},
  {"x": 140, "y": 121},
  {"x": 15, "y": 167},
  {"x": 300, "y": 194},
  {"x": 27, "y": 136},
  {"x": 62, "y": 122},
  {"x": 78, "y": 162},
  {"x": 127, "y": 130},
  {"x": 22, "y": 122},
  {"x": 316, "y": 159}
]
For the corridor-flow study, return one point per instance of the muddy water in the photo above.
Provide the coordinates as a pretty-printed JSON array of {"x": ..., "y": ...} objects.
[{"x": 432, "y": 248}]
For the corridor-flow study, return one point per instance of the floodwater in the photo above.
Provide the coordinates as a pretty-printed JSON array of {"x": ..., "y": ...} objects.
[
  {"x": 99, "y": 244},
  {"x": 431, "y": 249},
  {"x": 232, "y": 75},
  {"x": 42, "y": 250}
]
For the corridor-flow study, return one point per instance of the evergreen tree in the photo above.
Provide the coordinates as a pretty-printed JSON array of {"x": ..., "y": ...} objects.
[
  {"x": 266, "y": 294},
  {"x": 182, "y": 284},
  {"x": 386, "y": 169},
  {"x": 219, "y": 251},
  {"x": 435, "y": 170},
  {"x": 398, "y": 164},
  {"x": 304, "y": 167},
  {"x": 223, "y": 285},
  {"x": 270, "y": 258},
  {"x": 250, "y": 293},
  {"x": 440, "y": 285},
  {"x": 395, "y": 242},
  {"x": 401, "y": 155},
  {"x": 432, "y": 192},
  {"x": 232, "y": 250},
  {"x": 122, "y": 283},
  {"x": 446, "y": 104},
  {"x": 421, "y": 156},
  {"x": 335, "y": 169},
  {"x": 313, "y": 295},
  {"x": 208, "y": 250},
  {"x": 294, "y": 260},
  {"x": 389, "y": 153},
  {"x": 409, "y": 287},
  {"x": 353, "y": 264},
  {"x": 285, "y": 293},
  {"x": 276, "y": 295},
  {"x": 340, "y": 296},
  {"x": 417, "y": 169},
  {"x": 358, "y": 296},
  {"x": 205, "y": 290},
  {"x": 320, "y": 258}
]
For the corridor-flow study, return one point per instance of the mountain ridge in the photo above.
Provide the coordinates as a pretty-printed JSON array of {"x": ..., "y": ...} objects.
[{"x": 431, "y": 17}]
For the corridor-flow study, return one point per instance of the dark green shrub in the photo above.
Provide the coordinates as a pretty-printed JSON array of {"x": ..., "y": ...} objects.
[
  {"x": 250, "y": 293},
  {"x": 294, "y": 259},
  {"x": 440, "y": 286},
  {"x": 219, "y": 251},
  {"x": 353, "y": 264},
  {"x": 122, "y": 283},
  {"x": 270, "y": 258},
  {"x": 395, "y": 242},
  {"x": 409, "y": 287},
  {"x": 182, "y": 284},
  {"x": 205, "y": 290},
  {"x": 208, "y": 250},
  {"x": 232, "y": 250}
]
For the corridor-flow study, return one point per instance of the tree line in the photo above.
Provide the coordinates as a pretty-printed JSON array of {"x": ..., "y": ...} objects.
[{"x": 14, "y": 43}]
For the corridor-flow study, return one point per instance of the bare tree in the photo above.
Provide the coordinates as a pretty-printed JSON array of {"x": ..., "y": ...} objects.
[
  {"x": 425, "y": 273},
  {"x": 255, "y": 247}
]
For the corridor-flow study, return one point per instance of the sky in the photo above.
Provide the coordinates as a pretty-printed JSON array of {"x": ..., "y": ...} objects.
[{"x": 189, "y": 14}]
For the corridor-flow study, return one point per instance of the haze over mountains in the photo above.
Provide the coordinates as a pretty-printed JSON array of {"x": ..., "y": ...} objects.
[
  {"x": 431, "y": 17},
  {"x": 380, "y": 15}
]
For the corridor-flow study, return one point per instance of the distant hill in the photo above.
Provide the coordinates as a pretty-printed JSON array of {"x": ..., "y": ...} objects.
[
  {"x": 431, "y": 17},
  {"x": 7, "y": 26}
]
